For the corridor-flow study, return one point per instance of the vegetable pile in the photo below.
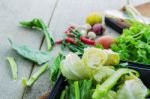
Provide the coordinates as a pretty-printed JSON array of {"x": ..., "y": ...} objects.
[
  {"x": 134, "y": 43},
  {"x": 94, "y": 76},
  {"x": 79, "y": 37},
  {"x": 92, "y": 68}
]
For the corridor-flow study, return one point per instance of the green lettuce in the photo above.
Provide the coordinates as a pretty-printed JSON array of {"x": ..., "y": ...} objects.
[
  {"x": 103, "y": 89},
  {"x": 113, "y": 57},
  {"x": 94, "y": 57},
  {"x": 132, "y": 89},
  {"x": 72, "y": 67},
  {"x": 103, "y": 73}
]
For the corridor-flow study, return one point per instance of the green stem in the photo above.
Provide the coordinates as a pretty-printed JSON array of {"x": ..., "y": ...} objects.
[
  {"x": 36, "y": 75},
  {"x": 77, "y": 93},
  {"x": 102, "y": 90},
  {"x": 63, "y": 94},
  {"x": 49, "y": 38},
  {"x": 13, "y": 66}
]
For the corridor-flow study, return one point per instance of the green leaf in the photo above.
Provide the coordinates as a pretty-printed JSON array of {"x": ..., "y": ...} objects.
[
  {"x": 35, "y": 76},
  {"x": 39, "y": 24},
  {"x": 79, "y": 89},
  {"x": 110, "y": 95},
  {"x": 85, "y": 89},
  {"x": 134, "y": 43},
  {"x": 13, "y": 66},
  {"x": 103, "y": 89},
  {"x": 37, "y": 56},
  {"x": 72, "y": 68},
  {"x": 99, "y": 46},
  {"x": 54, "y": 70},
  {"x": 103, "y": 73},
  {"x": 132, "y": 89}
]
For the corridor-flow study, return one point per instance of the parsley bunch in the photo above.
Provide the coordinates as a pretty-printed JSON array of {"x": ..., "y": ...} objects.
[{"x": 134, "y": 43}]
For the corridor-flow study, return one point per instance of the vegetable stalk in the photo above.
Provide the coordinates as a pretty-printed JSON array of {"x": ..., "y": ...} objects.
[
  {"x": 35, "y": 76},
  {"x": 77, "y": 91},
  {"x": 39, "y": 24},
  {"x": 103, "y": 89},
  {"x": 13, "y": 66}
]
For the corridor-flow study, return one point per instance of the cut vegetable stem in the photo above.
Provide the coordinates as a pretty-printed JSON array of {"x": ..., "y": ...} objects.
[
  {"x": 13, "y": 66},
  {"x": 39, "y": 24},
  {"x": 35, "y": 76}
]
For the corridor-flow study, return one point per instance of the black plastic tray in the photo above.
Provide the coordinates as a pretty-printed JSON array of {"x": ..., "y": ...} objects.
[{"x": 143, "y": 69}]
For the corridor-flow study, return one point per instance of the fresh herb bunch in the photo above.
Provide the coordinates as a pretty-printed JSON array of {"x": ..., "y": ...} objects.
[{"x": 134, "y": 43}]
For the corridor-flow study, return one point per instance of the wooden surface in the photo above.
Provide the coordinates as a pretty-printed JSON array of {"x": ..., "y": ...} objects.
[{"x": 58, "y": 14}]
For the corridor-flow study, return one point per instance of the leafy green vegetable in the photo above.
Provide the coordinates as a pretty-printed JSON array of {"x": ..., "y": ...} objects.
[
  {"x": 72, "y": 68},
  {"x": 37, "y": 56},
  {"x": 103, "y": 89},
  {"x": 94, "y": 57},
  {"x": 112, "y": 59},
  {"x": 110, "y": 95},
  {"x": 103, "y": 73},
  {"x": 132, "y": 89},
  {"x": 35, "y": 76},
  {"x": 134, "y": 43},
  {"x": 79, "y": 90},
  {"x": 100, "y": 46},
  {"x": 39, "y": 24},
  {"x": 54, "y": 70},
  {"x": 85, "y": 89},
  {"x": 13, "y": 66}
]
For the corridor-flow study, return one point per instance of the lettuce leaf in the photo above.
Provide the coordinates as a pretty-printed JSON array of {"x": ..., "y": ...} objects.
[
  {"x": 113, "y": 57},
  {"x": 103, "y": 73},
  {"x": 132, "y": 89},
  {"x": 73, "y": 68},
  {"x": 103, "y": 89},
  {"x": 110, "y": 95},
  {"x": 94, "y": 57}
]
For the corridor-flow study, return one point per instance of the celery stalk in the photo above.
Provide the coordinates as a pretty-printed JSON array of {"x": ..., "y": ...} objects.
[
  {"x": 13, "y": 66},
  {"x": 103, "y": 89},
  {"x": 35, "y": 76}
]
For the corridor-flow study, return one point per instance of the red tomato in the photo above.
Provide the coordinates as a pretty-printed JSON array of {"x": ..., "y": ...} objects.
[{"x": 105, "y": 41}]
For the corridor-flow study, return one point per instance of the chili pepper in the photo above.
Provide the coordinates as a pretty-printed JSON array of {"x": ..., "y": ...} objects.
[
  {"x": 70, "y": 40},
  {"x": 58, "y": 42},
  {"x": 87, "y": 41}
]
